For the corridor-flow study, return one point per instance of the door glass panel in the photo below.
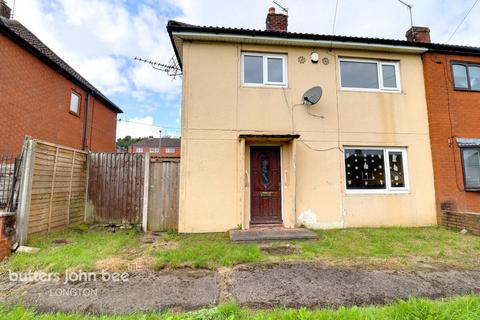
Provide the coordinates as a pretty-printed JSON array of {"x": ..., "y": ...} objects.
[
  {"x": 264, "y": 170},
  {"x": 460, "y": 76},
  {"x": 474, "y": 77},
  {"x": 397, "y": 176}
]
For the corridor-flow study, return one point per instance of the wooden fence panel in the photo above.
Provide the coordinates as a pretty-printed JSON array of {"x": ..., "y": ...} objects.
[
  {"x": 163, "y": 194},
  {"x": 115, "y": 189},
  {"x": 58, "y": 187}
]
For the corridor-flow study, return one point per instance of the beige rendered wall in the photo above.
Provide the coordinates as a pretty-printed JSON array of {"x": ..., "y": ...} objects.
[{"x": 216, "y": 108}]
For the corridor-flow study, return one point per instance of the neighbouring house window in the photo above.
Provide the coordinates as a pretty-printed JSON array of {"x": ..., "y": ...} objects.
[
  {"x": 466, "y": 76},
  {"x": 169, "y": 150},
  {"x": 139, "y": 150},
  {"x": 369, "y": 75},
  {"x": 264, "y": 69},
  {"x": 471, "y": 168},
  {"x": 376, "y": 169},
  {"x": 75, "y": 103},
  {"x": 154, "y": 150}
]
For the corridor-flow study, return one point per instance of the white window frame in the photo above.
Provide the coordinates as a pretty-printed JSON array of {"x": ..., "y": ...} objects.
[
  {"x": 154, "y": 150},
  {"x": 389, "y": 189},
  {"x": 379, "y": 63},
  {"x": 170, "y": 150},
  {"x": 265, "y": 83},
  {"x": 138, "y": 150},
  {"x": 79, "y": 101}
]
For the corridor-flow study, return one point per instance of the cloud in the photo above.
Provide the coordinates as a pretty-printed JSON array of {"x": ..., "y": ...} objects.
[{"x": 137, "y": 128}]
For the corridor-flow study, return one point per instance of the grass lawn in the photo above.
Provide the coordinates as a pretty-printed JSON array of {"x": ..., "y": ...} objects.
[
  {"x": 467, "y": 307},
  {"x": 375, "y": 247},
  {"x": 83, "y": 248}
]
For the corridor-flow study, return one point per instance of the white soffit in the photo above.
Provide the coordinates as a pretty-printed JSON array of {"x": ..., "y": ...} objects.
[{"x": 295, "y": 42}]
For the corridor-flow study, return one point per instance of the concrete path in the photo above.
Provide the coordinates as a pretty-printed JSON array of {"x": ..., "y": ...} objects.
[{"x": 257, "y": 286}]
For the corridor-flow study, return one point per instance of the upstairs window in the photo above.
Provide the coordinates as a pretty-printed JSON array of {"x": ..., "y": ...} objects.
[
  {"x": 376, "y": 170},
  {"x": 264, "y": 69},
  {"x": 139, "y": 150},
  {"x": 466, "y": 76},
  {"x": 369, "y": 75},
  {"x": 75, "y": 103},
  {"x": 169, "y": 150},
  {"x": 154, "y": 150}
]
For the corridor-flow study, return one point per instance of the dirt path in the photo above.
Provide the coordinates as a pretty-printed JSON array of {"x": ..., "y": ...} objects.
[{"x": 257, "y": 286}]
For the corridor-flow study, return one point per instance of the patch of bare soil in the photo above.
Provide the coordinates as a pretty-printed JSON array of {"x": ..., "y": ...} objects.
[
  {"x": 300, "y": 284},
  {"x": 315, "y": 285},
  {"x": 143, "y": 291}
]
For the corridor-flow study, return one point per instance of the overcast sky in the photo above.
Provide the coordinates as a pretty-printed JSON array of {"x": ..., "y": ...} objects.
[{"x": 99, "y": 38}]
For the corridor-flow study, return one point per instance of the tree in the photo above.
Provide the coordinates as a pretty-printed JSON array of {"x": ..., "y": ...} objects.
[{"x": 127, "y": 141}]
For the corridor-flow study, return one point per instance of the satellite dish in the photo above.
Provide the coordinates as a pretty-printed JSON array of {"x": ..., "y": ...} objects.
[{"x": 312, "y": 96}]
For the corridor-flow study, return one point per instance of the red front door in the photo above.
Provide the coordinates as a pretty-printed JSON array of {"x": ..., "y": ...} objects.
[{"x": 265, "y": 185}]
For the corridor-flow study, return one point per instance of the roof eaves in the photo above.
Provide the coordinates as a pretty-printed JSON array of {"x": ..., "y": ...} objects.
[{"x": 45, "y": 59}]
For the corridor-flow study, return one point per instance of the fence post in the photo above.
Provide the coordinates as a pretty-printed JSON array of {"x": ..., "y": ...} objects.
[
  {"x": 25, "y": 191},
  {"x": 52, "y": 188},
  {"x": 146, "y": 180},
  {"x": 70, "y": 188},
  {"x": 87, "y": 186}
]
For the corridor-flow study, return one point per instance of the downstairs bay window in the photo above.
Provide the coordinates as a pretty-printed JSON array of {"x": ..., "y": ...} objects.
[{"x": 382, "y": 170}]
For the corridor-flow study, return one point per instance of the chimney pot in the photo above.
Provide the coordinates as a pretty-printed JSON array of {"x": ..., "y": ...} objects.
[
  {"x": 276, "y": 21},
  {"x": 418, "y": 34}
]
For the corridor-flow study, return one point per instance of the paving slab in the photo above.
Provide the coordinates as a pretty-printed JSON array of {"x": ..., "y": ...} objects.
[{"x": 269, "y": 234}]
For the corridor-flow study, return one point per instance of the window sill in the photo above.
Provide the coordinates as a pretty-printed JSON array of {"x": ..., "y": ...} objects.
[
  {"x": 375, "y": 192},
  {"x": 472, "y": 189},
  {"x": 74, "y": 114},
  {"x": 370, "y": 90},
  {"x": 466, "y": 90},
  {"x": 264, "y": 86}
]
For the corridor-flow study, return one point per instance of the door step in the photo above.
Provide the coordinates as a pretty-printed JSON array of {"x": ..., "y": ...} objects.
[
  {"x": 269, "y": 234},
  {"x": 266, "y": 225}
]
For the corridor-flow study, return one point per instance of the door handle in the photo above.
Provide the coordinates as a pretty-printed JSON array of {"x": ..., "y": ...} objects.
[{"x": 265, "y": 194}]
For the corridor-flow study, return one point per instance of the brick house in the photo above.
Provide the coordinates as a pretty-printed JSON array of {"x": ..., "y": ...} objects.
[
  {"x": 165, "y": 147},
  {"x": 452, "y": 85},
  {"x": 42, "y": 96}
]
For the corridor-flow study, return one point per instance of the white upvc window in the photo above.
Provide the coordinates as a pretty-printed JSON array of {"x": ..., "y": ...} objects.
[
  {"x": 139, "y": 150},
  {"x": 260, "y": 69},
  {"x": 169, "y": 150},
  {"x": 369, "y": 75},
  {"x": 154, "y": 150},
  {"x": 376, "y": 170}
]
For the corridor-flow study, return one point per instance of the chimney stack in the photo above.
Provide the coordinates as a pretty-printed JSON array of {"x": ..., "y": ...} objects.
[
  {"x": 418, "y": 34},
  {"x": 276, "y": 21},
  {"x": 5, "y": 10}
]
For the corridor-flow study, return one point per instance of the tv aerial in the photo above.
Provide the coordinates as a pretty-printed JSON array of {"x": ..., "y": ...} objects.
[
  {"x": 172, "y": 68},
  {"x": 409, "y": 6},
  {"x": 283, "y": 8},
  {"x": 312, "y": 96}
]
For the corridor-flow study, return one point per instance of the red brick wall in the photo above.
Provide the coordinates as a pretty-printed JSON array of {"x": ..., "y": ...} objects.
[
  {"x": 162, "y": 152},
  {"x": 451, "y": 114},
  {"x": 35, "y": 101}
]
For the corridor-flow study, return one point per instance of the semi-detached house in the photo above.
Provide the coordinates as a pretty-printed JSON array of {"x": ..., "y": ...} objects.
[{"x": 255, "y": 153}]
